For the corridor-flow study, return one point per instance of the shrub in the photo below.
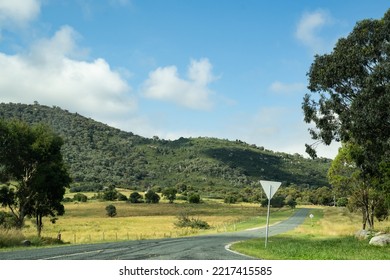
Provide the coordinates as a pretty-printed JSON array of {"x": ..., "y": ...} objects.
[
  {"x": 185, "y": 221},
  {"x": 135, "y": 197},
  {"x": 7, "y": 220},
  {"x": 194, "y": 198},
  {"x": 230, "y": 199},
  {"x": 122, "y": 197},
  {"x": 151, "y": 197},
  {"x": 111, "y": 210},
  {"x": 110, "y": 194},
  {"x": 170, "y": 194},
  {"x": 342, "y": 202},
  {"x": 80, "y": 197}
]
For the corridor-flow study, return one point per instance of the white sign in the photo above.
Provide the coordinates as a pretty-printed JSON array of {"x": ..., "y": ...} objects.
[{"x": 270, "y": 187}]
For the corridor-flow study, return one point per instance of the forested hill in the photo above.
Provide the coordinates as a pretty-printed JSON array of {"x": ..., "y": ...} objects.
[{"x": 99, "y": 155}]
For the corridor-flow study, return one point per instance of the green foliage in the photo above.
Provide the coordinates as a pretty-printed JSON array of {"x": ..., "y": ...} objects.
[
  {"x": 121, "y": 197},
  {"x": 170, "y": 194},
  {"x": 80, "y": 197},
  {"x": 135, "y": 197},
  {"x": 31, "y": 157},
  {"x": 7, "y": 220},
  {"x": 184, "y": 220},
  {"x": 98, "y": 155},
  {"x": 194, "y": 198},
  {"x": 364, "y": 195},
  {"x": 151, "y": 197},
  {"x": 111, "y": 210},
  {"x": 350, "y": 97},
  {"x": 110, "y": 194},
  {"x": 230, "y": 199}
]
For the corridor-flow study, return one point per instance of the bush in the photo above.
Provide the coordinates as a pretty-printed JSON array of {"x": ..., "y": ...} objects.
[
  {"x": 80, "y": 197},
  {"x": 7, "y": 220},
  {"x": 110, "y": 194},
  {"x": 170, "y": 194},
  {"x": 111, "y": 210},
  {"x": 122, "y": 197},
  {"x": 342, "y": 202},
  {"x": 194, "y": 198},
  {"x": 151, "y": 197},
  {"x": 230, "y": 199},
  {"x": 135, "y": 197},
  {"x": 185, "y": 221}
]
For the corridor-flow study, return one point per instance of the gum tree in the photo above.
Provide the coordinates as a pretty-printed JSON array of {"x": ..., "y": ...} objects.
[
  {"x": 350, "y": 94},
  {"x": 33, "y": 170}
]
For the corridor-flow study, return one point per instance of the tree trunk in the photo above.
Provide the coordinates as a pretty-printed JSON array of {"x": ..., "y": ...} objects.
[{"x": 39, "y": 224}]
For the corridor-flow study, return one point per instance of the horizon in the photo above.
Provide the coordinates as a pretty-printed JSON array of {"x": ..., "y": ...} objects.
[{"x": 227, "y": 70}]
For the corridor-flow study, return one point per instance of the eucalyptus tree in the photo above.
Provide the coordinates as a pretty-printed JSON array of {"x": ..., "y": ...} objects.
[
  {"x": 350, "y": 94},
  {"x": 33, "y": 171}
]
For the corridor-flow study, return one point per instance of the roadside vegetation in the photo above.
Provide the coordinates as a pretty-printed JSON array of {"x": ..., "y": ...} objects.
[
  {"x": 328, "y": 236},
  {"x": 87, "y": 222}
]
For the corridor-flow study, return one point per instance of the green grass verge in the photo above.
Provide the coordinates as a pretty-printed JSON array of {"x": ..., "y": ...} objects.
[
  {"x": 315, "y": 240},
  {"x": 308, "y": 247}
]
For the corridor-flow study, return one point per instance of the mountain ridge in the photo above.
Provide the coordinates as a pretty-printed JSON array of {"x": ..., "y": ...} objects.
[{"x": 99, "y": 155}]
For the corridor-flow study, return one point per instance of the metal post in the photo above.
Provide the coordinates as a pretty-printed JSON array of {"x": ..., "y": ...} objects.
[{"x": 266, "y": 228}]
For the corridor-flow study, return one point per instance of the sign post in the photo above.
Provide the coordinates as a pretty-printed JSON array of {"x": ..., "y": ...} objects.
[{"x": 270, "y": 188}]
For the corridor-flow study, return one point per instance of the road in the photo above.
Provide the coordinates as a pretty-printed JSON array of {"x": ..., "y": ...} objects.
[{"x": 207, "y": 247}]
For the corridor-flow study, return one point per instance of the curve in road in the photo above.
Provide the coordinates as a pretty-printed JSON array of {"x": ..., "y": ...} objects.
[{"x": 205, "y": 247}]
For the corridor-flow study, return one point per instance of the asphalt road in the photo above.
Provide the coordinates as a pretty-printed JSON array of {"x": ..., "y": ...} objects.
[{"x": 207, "y": 247}]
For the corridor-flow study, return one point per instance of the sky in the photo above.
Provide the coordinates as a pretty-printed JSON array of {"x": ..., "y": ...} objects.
[{"x": 231, "y": 69}]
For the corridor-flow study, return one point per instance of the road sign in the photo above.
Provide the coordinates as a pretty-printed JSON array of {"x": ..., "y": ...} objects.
[{"x": 270, "y": 187}]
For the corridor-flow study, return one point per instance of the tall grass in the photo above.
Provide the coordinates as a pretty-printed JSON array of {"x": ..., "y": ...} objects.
[{"x": 10, "y": 237}]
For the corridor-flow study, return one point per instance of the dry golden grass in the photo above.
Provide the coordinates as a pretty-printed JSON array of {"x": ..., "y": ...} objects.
[
  {"x": 88, "y": 222},
  {"x": 336, "y": 221}
]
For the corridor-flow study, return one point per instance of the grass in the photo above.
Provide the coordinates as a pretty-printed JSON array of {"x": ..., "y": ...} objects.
[
  {"x": 88, "y": 222},
  {"x": 329, "y": 236}
]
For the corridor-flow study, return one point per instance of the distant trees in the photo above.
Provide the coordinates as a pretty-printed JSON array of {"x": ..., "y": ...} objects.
[
  {"x": 135, "y": 197},
  {"x": 194, "y": 198},
  {"x": 170, "y": 194},
  {"x": 80, "y": 197},
  {"x": 111, "y": 210},
  {"x": 32, "y": 167},
  {"x": 151, "y": 197}
]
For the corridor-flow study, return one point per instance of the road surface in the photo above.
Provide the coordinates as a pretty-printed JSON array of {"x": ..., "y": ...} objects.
[{"x": 207, "y": 247}]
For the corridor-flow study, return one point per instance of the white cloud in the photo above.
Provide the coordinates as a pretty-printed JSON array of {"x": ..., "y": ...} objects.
[
  {"x": 47, "y": 73},
  {"x": 18, "y": 12},
  {"x": 164, "y": 83},
  {"x": 283, "y": 88},
  {"x": 309, "y": 27},
  {"x": 278, "y": 128}
]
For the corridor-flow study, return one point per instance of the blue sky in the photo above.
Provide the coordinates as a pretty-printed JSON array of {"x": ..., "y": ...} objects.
[{"x": 171, "y": 68}]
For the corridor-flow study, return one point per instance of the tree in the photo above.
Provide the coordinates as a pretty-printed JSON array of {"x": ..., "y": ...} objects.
[
  {"x": 151, "y": 197},
  {"x": 135, "y": 197},
  {"x": 170, "y": 194},
  {"x": 111, "y": 210},
  {"x": 80, "y": 197},
  {"x": 31, "y": 157},
  {"x": 110, "y": 193},
  {"x": 350, "y": 97},
  {"x": 345, "y": 177},
  {"x": 194, "y": 198}
]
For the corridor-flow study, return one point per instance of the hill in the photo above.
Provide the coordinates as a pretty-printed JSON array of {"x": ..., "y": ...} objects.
[{"x": 99, "y": 155}]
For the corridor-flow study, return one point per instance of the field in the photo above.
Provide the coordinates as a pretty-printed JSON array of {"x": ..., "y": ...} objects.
[
  {"x": 329, "y": 236},
  {"x": 88, "y": 223}
]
